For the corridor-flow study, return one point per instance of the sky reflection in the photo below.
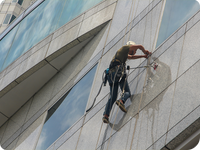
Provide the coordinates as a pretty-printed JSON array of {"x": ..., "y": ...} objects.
[
  {"x": 63, "y": 115},
  {"x": 5, "y": 45},
  {"x": 45, "y": 19},
  {"x": 176, "y": 13}
]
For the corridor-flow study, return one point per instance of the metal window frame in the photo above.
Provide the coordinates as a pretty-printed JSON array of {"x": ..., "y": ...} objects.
[{"x": 11, "y": 18}]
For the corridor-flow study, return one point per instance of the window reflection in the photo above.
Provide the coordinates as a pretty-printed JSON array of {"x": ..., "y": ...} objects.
[
  {"x": 20, "y": 2},
  {"x": 6, "y": 20},
  {"x": 176, "y": 13},
  {"x": 5, "y": 44},
  {"x": 45, "y": 19},
  {"x": 66, "y": 111},
  {"x": 12, "y": 18},
  {"x": 72, "y": 8}
]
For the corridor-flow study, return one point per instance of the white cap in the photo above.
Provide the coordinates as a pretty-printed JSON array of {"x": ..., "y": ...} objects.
[{"x": 130, "y": 43}]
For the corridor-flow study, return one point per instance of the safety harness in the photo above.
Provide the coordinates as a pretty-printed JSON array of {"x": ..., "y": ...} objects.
[{"x": 115, "y": 66}]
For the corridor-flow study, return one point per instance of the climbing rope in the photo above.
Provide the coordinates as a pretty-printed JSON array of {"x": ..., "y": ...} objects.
[
  {"x": 155, "y": 66},
  {"x": 137, "y": 115},
  {"x": 103, "y": 82},
  {"x": 118, "y": 108},
  {"x": 100, "y": 62},
  {"x": 132, "y": 6},
  {"x": 99, "y": 135}
]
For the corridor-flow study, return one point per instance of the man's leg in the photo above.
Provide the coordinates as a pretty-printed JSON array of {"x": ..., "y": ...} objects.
[
  {"x": 112, "y": 99},
  {"x": 127, "y": 92},
  {"x": 124, "y": 86}
]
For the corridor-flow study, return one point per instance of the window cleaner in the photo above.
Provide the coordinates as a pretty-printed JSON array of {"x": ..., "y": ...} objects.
[{"x": 116, "y": 76}]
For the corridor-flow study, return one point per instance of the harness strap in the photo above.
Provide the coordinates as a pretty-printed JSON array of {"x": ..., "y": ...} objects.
[{"x": 114, "y": 63}]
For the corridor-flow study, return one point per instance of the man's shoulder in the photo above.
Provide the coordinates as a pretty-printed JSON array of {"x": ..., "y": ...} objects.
[{"x": 125, "y": 47}]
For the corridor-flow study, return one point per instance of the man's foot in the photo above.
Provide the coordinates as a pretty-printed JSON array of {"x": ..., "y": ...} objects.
[
  {"x": 105, "y": 119},
  {"x": 121, "y": 106}
]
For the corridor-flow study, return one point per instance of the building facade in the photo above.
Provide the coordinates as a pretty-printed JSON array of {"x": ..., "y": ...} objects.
[
  {"x": 53, "y": 57},
  {"x": 10, "y": 9}
]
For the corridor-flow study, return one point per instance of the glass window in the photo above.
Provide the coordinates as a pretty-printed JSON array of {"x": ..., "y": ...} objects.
[
  {"x": 5, "y": 45},
  {"x": 32, "y": 29},
  {"x": 7, "y": 19},
  {"x": 12, "y": 18},
  {"x": 66, "y": 111},
  {"x": 20, "y": 2},
  {"x": 74, "y": 8},
  {"x": 176, "y": 13},
  {"x": 42, "y": 21}
]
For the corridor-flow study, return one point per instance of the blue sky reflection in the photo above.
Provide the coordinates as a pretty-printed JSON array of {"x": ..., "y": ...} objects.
[
  {"x": 45, "y": 19},
  {"x": 5, "y": 44},
  {"x": 176, "y": 13},
  {"x": 67, "y": 112}
]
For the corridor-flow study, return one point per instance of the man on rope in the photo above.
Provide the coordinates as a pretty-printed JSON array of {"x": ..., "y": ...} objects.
[{"x": 117, "y": 76}]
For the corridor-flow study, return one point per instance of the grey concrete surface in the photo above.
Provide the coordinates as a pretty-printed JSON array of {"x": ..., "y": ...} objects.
[
  {"x": 71, "y": 143},
  {"x": 190, "y": 53},
  {"x": 90, "y": 132},
  {"x": 29, "y": 136},
  {"x": 186, "y": 96}
]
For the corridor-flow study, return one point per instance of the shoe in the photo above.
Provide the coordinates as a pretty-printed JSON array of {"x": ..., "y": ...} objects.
[
  {"x": 121, "y": 106},
  {"x": 105, "y": 119}
]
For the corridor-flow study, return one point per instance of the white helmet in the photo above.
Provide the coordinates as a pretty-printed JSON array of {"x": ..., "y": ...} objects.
[{"x": 130, "y": 43}]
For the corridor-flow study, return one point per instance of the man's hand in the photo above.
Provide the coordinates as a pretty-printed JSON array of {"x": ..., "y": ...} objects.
[
  {"x": 147, "y": 53},
  {"x": 145, "y": 56}
]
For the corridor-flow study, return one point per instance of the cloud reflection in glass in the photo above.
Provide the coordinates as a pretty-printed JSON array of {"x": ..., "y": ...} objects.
[
  {"x": 66, "y": 111},
  {"x": 41, "y": 22}
]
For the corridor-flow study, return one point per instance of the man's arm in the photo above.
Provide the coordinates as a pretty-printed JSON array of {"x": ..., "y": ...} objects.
[
  {"x": 134, "y": 48},
  {"x": 142, "y": 49},
  {"x": 137, "y": 56}
]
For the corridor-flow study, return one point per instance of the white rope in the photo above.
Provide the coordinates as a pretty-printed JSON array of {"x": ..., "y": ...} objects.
[
  {"x": 137, "y": 115},
  {"x": 126, "y": 76},
  {"x": 100, "y": 62}
]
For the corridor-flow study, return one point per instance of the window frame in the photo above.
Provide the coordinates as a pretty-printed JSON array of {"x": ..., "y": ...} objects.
[
  {"x": 66, "y": 93},
  {"x": 13, "y": 17},
  {"x": 158, "y": 44},
  {"x": 75, "y": 83},
  {"x": 10, "y": 19}
]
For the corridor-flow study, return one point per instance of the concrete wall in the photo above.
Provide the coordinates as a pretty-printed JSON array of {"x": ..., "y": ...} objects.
[{"x": 164, "y": 107}]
